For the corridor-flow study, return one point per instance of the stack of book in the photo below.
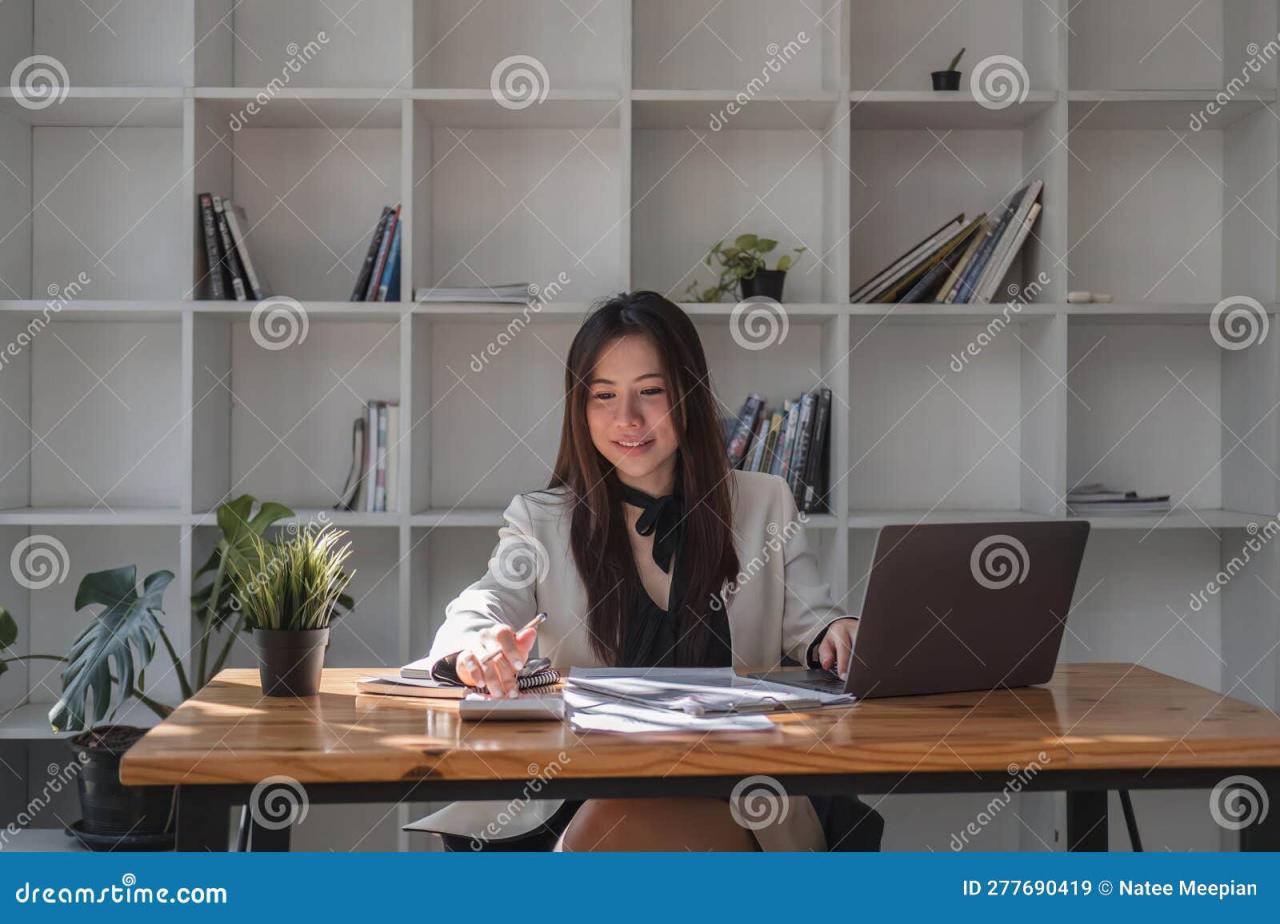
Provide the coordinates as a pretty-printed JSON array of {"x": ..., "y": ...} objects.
[
  {"x": 790, "y": 441},
  {"x": 379, "y": 278},
  {"x": 961, "y": 263},
  {"x": 373, "y": 479},
  {"x": 230, "y": 273},
  {"x": 1089, "y": 500},
  {"x": 514, "y": 292}
]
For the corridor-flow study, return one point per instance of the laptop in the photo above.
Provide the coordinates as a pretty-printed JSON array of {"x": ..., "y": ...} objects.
[{"x": 959, "y": 606}]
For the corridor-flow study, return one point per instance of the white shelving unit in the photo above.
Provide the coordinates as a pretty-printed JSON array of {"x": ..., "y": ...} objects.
[{"x": 141, "y": 405}]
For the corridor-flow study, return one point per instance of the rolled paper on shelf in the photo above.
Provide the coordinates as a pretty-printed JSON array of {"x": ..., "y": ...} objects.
[
  {"x": 1103, "y": 298},
  {"x": 1079, "y": 298}
]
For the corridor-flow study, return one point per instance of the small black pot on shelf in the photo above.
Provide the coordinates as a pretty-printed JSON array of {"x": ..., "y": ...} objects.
[
  {"x": 765, "y": 283},
  {"x": 117, "y": 817},
  {"x": 292, "y": 660},
  {"x": 946, "y": 80}
]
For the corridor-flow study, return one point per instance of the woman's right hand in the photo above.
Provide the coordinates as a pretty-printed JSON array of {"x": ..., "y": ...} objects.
[{"x": 495, "y": 660}]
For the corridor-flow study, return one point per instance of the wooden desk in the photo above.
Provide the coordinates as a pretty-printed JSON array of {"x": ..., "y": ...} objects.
[{"x": 1094, "y": 728}]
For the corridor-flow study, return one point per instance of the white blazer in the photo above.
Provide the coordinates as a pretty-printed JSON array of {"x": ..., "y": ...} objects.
[{"x": 778, "y": 607}]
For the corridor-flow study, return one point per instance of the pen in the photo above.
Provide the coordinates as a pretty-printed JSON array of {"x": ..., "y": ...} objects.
[{"x": 535, "y": 621}]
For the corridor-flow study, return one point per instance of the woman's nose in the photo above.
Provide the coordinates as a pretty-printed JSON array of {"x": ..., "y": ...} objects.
[{"x": 631, "y": 414}]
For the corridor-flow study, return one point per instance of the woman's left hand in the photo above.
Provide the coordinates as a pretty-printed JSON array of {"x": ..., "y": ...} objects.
[{"x": 836, "y": 649}]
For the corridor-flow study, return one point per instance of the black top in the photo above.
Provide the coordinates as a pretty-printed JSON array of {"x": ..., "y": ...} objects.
[{"x": 654, "y": 635}]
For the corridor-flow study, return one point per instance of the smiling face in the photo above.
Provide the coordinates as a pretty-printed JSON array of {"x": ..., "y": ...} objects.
[{"x": 629, "y": 414}]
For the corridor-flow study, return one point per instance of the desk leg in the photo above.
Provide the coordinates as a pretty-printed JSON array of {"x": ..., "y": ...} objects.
[
  {"x": 268, "y": 840},
  {"x": 1087, "y": 821},
  {"x": 202, "y": 822},
  {"x": 1264, "y": 834}
]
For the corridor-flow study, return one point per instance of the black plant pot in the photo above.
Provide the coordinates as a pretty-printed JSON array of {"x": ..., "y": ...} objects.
[
  {"x": 292, "y": 660},
  {"x": 946, "y": 80},
  {"x": 115, "y": 814},
  {"x": 765, "y": 283}
]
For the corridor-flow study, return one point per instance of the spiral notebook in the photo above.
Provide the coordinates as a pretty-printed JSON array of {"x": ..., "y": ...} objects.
[{"x": 536, "y": 674}]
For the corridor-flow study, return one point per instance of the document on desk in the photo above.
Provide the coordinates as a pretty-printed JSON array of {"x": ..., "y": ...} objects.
[
  {"x": 590, "y": 712},
  {"x": 698, "y": 691}
]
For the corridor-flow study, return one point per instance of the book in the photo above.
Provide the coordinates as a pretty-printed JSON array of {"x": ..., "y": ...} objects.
[
  {"x": 384, "y": 249},
  {"x": 1019, "y": 236},
  {"x": 371, "y": 460},
  {"x": 758, "y": 444},
  {"x": 390, "y": 285},
  {"x": 814, "y": 499},
  {"x": 235, "y": 216},
  {"x": 1007, "y": 247},
  {"x": 741, "y": 439},
  {"x": 230, "y": 260},
  {"x": 349, "y": 497},
  {"x": 393, "y": 456},
  {"x": 771, "y": 446},
  {"x": 213, "y": 249},
  {"x": 515, "y": 292},
  {"x": 1001, "y": 217},
  {"x": 898, "y": 291},
  {"x": 780, "y": 447},
  {"x": 370, "y": 257},
  {"x": 947, "y": 294},
  {"x": 793, "y": 430},
  {"x": 912, "y": 255},
  {"x": 801, "y": 453},
  {"x": 380, "y": 495}
]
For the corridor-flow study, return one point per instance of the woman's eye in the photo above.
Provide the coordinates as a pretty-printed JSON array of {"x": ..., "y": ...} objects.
[
  {"x": 653, "y": 391},
  {"x": 603, "y": 396}
]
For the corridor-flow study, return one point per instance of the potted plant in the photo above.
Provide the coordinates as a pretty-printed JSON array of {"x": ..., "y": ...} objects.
[
  {"x": 743, "y": 266},
  {"x": 950, "y": 78},
  {"x": 105, "y": 669},
  {"x": 290, "y": 592}
]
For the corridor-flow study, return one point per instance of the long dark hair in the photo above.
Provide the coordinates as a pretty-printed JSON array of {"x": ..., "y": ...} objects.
[{"x": 601, "y": 548}]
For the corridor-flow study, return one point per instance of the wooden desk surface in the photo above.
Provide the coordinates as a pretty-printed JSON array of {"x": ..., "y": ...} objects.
[{"x": 1091, "y": 716}]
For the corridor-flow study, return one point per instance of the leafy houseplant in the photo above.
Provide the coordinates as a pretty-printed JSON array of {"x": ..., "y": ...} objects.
[
  {"x": 113, "y": 652},
  {"x": 950, "y": 78},
  {"x": 743, "y": 266},
  {"x": 290, "y": 592}
]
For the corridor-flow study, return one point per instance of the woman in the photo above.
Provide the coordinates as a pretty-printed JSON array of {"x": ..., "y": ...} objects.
[{"x": 632, "y": 551}]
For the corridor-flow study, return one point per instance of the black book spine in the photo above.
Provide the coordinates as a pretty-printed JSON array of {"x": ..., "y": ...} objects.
[
  {"x": 234, "y": 272},
  {"x": 217, "y": 290},
  {"x": 815, "y": 500},
  {"x": 366, "y": 270},
  {"x": 746, "y": 426}
]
